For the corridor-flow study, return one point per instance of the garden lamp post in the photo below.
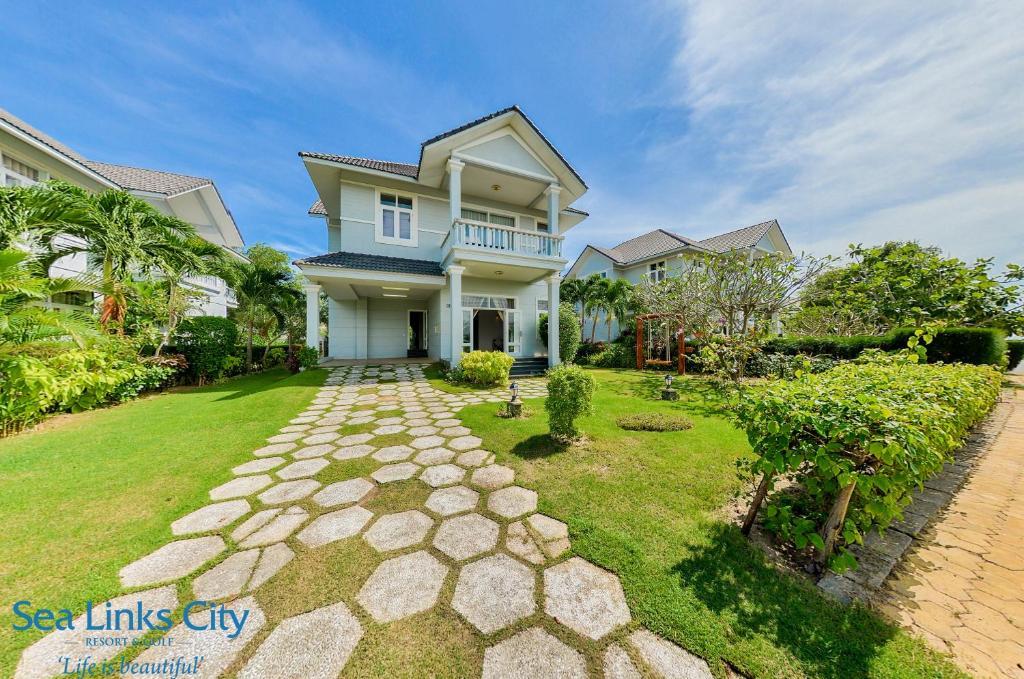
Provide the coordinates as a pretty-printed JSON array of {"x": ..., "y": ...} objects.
[
  {"x": 668, "y": 393},
  {"x": 514, "y": 407}
]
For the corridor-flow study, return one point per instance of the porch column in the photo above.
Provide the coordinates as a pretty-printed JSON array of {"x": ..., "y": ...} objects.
[
  {"x": 553, "y": 282},
  {"x": 552, "y": 193},
  {"x": 312, "y": 315},
  {"x": 455, "y": 189},
  {"x": 455, "y": 295}
]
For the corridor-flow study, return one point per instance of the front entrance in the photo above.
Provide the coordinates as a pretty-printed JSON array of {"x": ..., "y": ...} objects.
[
  {"x": 491, "y": 330},
  {"x": 417, "y": 334}
]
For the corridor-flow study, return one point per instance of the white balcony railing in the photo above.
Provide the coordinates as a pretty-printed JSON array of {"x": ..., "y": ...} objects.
[{"x": 467, "y": 233}]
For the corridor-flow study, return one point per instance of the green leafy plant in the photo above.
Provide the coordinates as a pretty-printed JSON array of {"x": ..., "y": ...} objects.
[
  {"x": 206, "y": 342},
  {"x": 1014, "y": 353},
  {"x": 308, "y": 357},
  {"x": 654, "y": 422},
  {"x": 233, "y": 365},
  {"x": 568, "y": 332},
  {"x": 570, "y": 395},
  {"x": 482, "y": 369},
  {"x": 274, "y": 357},
  {"x": 856, "y": 441}
]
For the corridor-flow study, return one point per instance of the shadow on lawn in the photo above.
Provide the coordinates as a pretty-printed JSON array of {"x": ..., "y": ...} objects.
[
  {"x": 247, "y": 385},
  {"x": 538, "y": 445},
  {"x": 696, "y": 395},
  {"x": 735, "y": 582}
]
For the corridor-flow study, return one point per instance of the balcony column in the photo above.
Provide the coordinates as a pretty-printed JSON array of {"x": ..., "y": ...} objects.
[
  {"x": 455, "y": 188},
  {"x": 553, "y": 282},
  {"x": 552, "y": 193},
  {"x": 312, "y": 315},
  {"x": 455, "y": 297}
]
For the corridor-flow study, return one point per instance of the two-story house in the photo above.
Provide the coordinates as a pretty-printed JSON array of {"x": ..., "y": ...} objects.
[
  {"x": 661, "y": 253},
  {"x": 461, "y": 251},
  {"x": 29, "y": 156}
]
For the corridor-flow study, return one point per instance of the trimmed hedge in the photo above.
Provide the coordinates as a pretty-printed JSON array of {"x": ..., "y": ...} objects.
[
  {"x": 884, "y": 426},
  {"x": 1015, "y": 352},
  {"x": 977, "y": 346},
  {"x": 206, "y": 341},
  {"x": 482, "y": 369}
]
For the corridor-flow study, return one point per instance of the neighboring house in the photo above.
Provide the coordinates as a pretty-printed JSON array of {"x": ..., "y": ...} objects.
[
  {"x": 460, "y": 251},
  {"x": 660, "y": 253},
  {"x": 30, "y": 156}
]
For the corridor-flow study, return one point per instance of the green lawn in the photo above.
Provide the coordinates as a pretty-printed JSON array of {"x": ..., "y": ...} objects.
[
  {"x": 643, "y": 504},
  {"x": 84, "y": 496}
]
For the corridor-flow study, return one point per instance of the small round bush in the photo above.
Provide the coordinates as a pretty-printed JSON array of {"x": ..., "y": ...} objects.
[
  {"x": 654, "y": 422},
  {"x": 569, "y": 333},
  {"x": 483, "y": 368},
  {"x": 206, "y": 341},
  {"x": 570, "y": 395}
]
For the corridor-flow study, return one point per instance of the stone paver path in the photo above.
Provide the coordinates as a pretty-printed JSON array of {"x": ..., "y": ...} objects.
[
  {"x": 961, "y": 587},
  {"x": 477, "y": 546}
]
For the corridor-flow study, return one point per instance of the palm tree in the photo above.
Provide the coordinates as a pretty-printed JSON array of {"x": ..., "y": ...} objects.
[
  {"x": 617, "y": 299},
  {"x": 595, "y": 291},
  {"x": 571, "y": 291},
  {"x": 260, "y": 289},
  {"x": 34, "y": 213}
]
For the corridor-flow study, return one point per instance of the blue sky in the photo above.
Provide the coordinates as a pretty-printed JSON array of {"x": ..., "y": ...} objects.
[{"x": 846, "y": 123}]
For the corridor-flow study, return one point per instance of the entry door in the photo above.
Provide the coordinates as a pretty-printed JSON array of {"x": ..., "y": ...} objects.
[{"x": 513, "y": 332}]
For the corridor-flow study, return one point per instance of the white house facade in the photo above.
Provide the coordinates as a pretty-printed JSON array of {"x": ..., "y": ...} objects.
[
  {"x": 29, "y": 156},
  {"x": 459, "y": 252},
  {"x": 660, "y": 253}
]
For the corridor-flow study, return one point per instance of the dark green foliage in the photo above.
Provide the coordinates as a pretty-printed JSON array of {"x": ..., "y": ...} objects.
[
  {"x": 568, "y": 332},
  {"x": 654, "y": 422},
  {"x": 1015, "y": 351},
  {"x": 570, "y": 390},
  {"x": 978, "y": 346},
  {"x": 206, "y": 341}
]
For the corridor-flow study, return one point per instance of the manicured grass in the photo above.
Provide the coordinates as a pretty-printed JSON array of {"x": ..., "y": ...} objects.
[
  {"x": 88, "y": 494},
  {"x": 643, "y": 504},
  {"x": 435, "y": 375}
]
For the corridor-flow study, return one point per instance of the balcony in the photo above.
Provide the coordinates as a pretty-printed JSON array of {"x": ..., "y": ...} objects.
[{"x": 474, "y": 237}]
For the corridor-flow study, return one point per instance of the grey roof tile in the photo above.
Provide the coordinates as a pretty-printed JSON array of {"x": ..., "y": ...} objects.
[
  {"x": 364, "y": 262},
  {"x": 403, "y": 169},
  {"x": 747, "y": 237},
  {"x": 46, "y": 139},
  {"x": 151, "y": 181}
]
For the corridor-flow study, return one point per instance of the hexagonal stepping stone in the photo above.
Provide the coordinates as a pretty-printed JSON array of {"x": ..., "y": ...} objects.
[
  {"x": 424, "y": 442},
  {"x": 361, "y": 419},
  {"x": 338, "y": 525},
  {"x": 297, "y": 470},
  {"x": 312, "y": 451},
  {"x": 550, "y": 534},
  {"x": 448, "y": 501},
  {"x": 475, "y": 458},
  {"x": 393, "y": 453},
  {"x": 352, "y": 452},
  {"x": 274, "y": 558},
  {"x": 536, "y": 654},
  {"x": 279, "y": 528},
  {"x": 466, "y": 536},
  {"x": 240, "y": 487},
  {"x": 254, "y": 522},
  {"x": 385, "y": 421},
  {"x": 434, "y": 456},
  {"x": 343, "y": 492},
  {"x": 395, "y": 472},
  {"x": 354, "y": 439},
  {"x": 666, "y": 659},
  {"x": 455, "y": 431},
  {"x": 519, "y": 541},
  {"x": 424, "y": 422},
  {"x": 493, "y": 476},
  {"x": 289, "y": 491},
  {"x": 465, "y": 443},
  {"x": 216, "y": 649},
  {"x": 258, "y": 466},
  {"x": 494, "y": 592},
  {"x": 403, "y": 586},
  {"x": 226, "y": 579},
  {"x": 314, "y": 645},
  {"x": 295, "y": 427},
  {"x": 41, "y": 660},
  {"x": 617, "y": 664},
  {"x": 210, "y": 517},
  {"x": 172, "y": 561},
  {"x": 512, "y": 502},
  {"x": 285, "y": 438},
  {"x": 422, "y": 430},
  {"x": 449, "y": 422},
  {"x": 442, "y": 475},
  {"x": 389, "y": 429},
  {"x": 317, "y": 439},
  {"x": 584, "y": 598},
  {"x": 395, "y": 531}
]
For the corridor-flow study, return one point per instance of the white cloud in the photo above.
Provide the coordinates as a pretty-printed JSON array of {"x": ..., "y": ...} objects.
[{"x": 850, "y": 122}]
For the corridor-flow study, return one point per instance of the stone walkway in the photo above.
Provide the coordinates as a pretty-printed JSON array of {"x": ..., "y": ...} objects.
[
  {"x": 962, "y": 586},
  {"x": 512, "y": 567}
]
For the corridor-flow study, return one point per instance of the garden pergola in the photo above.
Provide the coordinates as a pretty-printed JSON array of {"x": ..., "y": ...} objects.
[{"x": 645, "y": 349}]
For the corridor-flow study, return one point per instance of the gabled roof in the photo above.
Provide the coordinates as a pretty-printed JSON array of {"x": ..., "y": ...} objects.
[
  {"x": 317, "y": 209},
  {"x": 747, "y": 237},
  {"x": 364, "y": 262},
  {"x": 151, "y": 181},
  {"x": 402, "y": 169},
  {"x": 61, "y": 149}
]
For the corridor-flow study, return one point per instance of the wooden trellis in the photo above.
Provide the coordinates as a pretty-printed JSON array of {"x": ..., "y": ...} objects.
[{"x": 642, "y": 361}]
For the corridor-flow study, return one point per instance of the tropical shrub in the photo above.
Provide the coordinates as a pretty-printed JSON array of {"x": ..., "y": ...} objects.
[
  {"x": 206, "y": 342},
  {"x": 308, "y": 357},
  {"x": 569, "y": 332},
  {"x": 482, "y": 368},
  {"x": 951, "y": 345},
  {"x": 785, "y": 366},
  {"x": 233, "y": 365},
  {"x": 273, "y": 357},
  {"x": 855, "y": 441},
  {"x": 654, "y": 422},
  {"x": 614, "y": 356},
  {"x": 570, "y": 392},
  {"x": 1014, "y": 353}
]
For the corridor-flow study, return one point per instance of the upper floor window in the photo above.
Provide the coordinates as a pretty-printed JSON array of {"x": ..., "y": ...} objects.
[
  {"x": 396, "y": 219},
  {"x": 656, "y": 271},
  {"x": 488, "y": 217},
  {"x": 543, "y": 227},
  {"x": 17, "y": 173}
]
